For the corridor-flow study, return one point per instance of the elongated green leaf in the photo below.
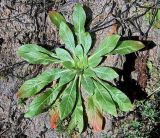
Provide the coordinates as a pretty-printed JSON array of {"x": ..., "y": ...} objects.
[
  {"x": 68, "y": 100},
  {"x": 77, "y": 121},
  {"x": 68, "y": 64},
  {"x": 158, "y": 15},
  {"x": 93, "y": 62},
  {"x": 67, "y": 36},
  {"x": 33, "y": 86},
  {"x": 89, "y": 73},
  {"x": 63, "y": 54},
  {"x": 79, "y": 51},
  {"x": 79, "y": 18},
  {"x": 40, "y": 103},
  {"x": 60, "y": 72},
  {"x": 149, "y": 17},
  {"x": 88, "y": 85},
  {"x": 106, "y": 46},
  {"x": 150, "y": 66},
  {"x": 66, "y": 77},
  {"x": 104, "y": 99},
  {"x": 85, "y": 62},
  {"x": 56, "y": 18},
  {"x": 119, "y": 97},
  {"x": 36, "y": 54},
  {"x": 80, "y": 60},
  {"x": 157, "y": 20},
  {"x": 95, "y": 117},
  {"x": 86, "y": 41},
  {"x": 105, "y": 73},
  {"x": 128, "y": 46}
]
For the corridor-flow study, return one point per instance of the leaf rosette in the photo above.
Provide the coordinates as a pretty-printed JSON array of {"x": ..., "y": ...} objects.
[{"x": 80, "y": 80}]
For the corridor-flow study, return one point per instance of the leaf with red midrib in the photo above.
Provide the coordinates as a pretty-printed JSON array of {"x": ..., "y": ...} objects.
[
  {"x": 94, "y": 116},
  {"x": 56, "y": 18},
  {"x": 18, "y": 94},
  {"x": 54, "y": 119},
  {"x": 97, "y": 121}
]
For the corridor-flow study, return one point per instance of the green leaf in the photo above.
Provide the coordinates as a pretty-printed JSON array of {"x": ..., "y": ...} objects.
[
  {"x": 86, "y": 41},
  {"x": 33, "y": 86},
  {"x": 36, "y": 54},
  {"x": 85, "y": 61},
  {"x": 149, "y": 17},
  {"x": 104, "y": 99},
  {"x": 106, "y": 46},
  {"x": 150, "y": 66},
  {"x": 68, "y": 64},
  {"x": 157, "y": 20},
  {"x": 40, "y": 103},
  {"x": 93, "y": 62},
  {"x": 56, "y": 18},
  {"x": 66, "y": 76},
  {"x": 77, "y": 117},
  {"x": 79, "y": 51},
  {"x": 95, "y": 117},
  {"x": 105, "y": 73},
  {"x": 87, "y": 84},
  {"x": 128, "y": 46},
  {"x": 158, "y": 15},
  {"x": 68, "y": 100},
  {"x": 89, "y": 73},
  {"x": 119, "y": 97},
  {"x": 61, "y": 72},
  {"x": 63, "y": 54},
  {"x": 67, "y": 36},
  {"x": 79, "y": 18}
]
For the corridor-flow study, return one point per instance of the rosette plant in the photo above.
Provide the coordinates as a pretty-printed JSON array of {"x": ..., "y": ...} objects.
[{"x": 82, "y": 86}]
